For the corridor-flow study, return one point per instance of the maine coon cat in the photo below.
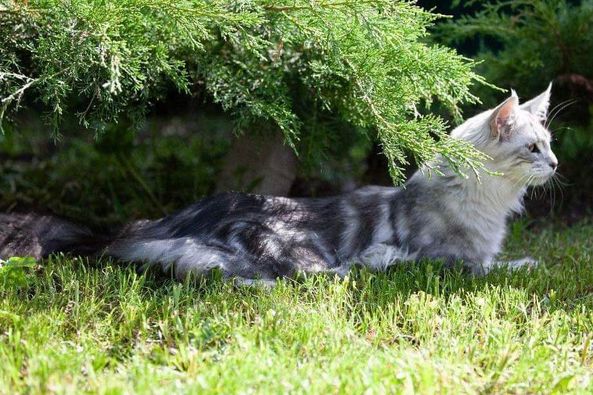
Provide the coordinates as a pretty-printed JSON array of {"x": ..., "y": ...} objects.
[{"x": 248, "y": 237}]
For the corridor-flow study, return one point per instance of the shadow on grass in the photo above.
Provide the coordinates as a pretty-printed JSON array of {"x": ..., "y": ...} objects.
[{"x": 562, "y": 281}]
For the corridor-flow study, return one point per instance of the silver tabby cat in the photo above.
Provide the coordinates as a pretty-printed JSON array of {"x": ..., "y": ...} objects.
[{"x": 445, "y": 217}]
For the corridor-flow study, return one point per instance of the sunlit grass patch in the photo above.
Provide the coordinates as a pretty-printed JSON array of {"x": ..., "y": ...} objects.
[{"x": 78, "y": 326}]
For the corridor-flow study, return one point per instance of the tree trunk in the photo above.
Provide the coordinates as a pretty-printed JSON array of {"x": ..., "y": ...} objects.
[{"x": 259, "y": 164}]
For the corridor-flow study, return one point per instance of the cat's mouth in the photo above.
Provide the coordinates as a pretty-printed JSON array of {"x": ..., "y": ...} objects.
[{"x": 534, "y": 181}]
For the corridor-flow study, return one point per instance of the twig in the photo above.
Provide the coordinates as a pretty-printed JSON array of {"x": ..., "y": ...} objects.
[
  {"x": 19, "y": 92},
  {"x": 308, "y": 7}
]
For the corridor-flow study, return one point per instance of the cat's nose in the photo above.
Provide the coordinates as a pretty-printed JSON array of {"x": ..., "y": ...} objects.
[{"x": 553, "y": 164}]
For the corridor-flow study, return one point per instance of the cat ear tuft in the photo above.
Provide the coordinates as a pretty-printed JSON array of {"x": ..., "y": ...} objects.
[
  {"x": 538, "y": 106},
  {"x": 503, "y": 117}
]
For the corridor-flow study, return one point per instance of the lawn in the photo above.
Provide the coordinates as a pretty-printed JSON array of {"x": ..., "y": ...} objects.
[{"x": 72, "y": 326}]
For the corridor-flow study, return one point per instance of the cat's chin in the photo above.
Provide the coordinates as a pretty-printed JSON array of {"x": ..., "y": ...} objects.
[{"x": 538, "y": 180}]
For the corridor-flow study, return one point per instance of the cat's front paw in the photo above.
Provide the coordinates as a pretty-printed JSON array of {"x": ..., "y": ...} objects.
[
  {"x": 527, "y": 262},
  {"x": 483, "y": 269}
]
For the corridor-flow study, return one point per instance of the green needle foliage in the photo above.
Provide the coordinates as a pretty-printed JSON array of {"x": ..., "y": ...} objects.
[{"x": 301, "y": 67}]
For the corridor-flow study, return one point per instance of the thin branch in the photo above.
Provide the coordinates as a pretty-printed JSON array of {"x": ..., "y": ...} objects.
[
  {"x": 17, "y": 95},
  {"x": 311, "y": 6}
]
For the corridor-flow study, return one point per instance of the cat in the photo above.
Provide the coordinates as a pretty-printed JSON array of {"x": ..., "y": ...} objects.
[{"x": 261, "y": 238}]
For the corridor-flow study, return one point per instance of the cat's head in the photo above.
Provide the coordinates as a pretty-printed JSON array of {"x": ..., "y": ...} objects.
[{"x": 516, "y": 138}]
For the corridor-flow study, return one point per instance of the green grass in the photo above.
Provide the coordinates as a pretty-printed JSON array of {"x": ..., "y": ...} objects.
[{"x": 72, "y": 327}]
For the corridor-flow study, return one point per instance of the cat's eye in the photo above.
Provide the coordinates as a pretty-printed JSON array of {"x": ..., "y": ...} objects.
[{"x": 533, "y": 148}]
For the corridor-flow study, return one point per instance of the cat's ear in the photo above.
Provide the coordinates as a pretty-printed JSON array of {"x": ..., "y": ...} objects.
[
  {"x": 538, "y": 106},
  {"x": 503, "y": 117}
]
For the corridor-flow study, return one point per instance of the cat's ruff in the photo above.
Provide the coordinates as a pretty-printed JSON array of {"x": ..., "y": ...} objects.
[{"x": 445, "y": 217}]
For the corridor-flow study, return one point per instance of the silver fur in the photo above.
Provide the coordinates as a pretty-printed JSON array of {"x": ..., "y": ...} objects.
[
  {"x": 447, "y": 217},
  {"x": 439, "y": 216}
]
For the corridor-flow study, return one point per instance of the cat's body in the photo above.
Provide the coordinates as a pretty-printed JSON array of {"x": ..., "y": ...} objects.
[
  {"x": 251, "y": 236},
  {"x": 441, "y": 216}
]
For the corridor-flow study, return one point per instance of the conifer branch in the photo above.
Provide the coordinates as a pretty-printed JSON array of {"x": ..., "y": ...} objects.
[{"x": 300, "y": 67}]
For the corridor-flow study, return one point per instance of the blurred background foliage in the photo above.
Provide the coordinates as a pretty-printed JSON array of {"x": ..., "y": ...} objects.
[{"x": 181, "y": 91}]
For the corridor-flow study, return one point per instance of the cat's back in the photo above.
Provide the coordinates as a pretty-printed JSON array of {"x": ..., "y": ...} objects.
[{"x": 224, "y": 211}]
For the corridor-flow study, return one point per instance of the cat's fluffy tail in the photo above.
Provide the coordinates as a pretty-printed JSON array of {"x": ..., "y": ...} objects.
[{"x": 41, "y": 235}]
